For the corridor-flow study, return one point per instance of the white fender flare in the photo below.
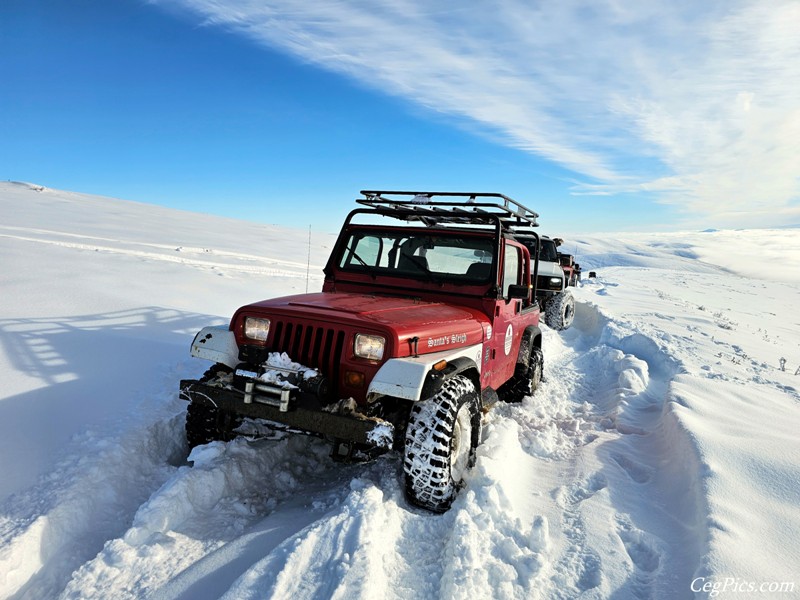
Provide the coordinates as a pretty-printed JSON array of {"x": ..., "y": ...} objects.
[
  {"x": 405, "y": 377},
  {"x": 216, "y": 344}
]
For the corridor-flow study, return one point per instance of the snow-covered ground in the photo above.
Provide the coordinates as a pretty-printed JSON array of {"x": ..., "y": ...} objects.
[{"x": 659, "y": 459}]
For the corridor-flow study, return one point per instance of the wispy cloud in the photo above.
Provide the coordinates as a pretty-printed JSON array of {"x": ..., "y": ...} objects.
[{"x": 695, "y": 102}]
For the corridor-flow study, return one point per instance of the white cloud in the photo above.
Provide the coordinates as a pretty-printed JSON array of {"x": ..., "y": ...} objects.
[{"x": 697, "y": 102}]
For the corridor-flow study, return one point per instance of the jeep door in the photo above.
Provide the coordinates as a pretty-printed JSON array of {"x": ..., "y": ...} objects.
[{"x": 511, "y": 316}]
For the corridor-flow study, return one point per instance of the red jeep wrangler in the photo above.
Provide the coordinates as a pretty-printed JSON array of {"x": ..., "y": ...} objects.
[{"x": 420, "y": 326}]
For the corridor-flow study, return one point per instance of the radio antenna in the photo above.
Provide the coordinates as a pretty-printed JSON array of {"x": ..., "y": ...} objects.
[{"x": 308, "y": 263}]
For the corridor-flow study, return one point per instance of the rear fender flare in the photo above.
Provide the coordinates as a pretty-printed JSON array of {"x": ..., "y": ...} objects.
[{"x": 531, "y": 338}]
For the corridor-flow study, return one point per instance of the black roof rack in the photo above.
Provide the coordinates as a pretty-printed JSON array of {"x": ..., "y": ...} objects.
[{"x": 461, "y": 208}]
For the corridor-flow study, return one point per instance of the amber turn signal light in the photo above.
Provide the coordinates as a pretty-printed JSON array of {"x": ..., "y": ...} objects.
[{"x": 354, "y": 379}]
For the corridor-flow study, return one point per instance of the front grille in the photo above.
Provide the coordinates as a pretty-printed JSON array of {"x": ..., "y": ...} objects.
[{"x": 312, "y": 345}]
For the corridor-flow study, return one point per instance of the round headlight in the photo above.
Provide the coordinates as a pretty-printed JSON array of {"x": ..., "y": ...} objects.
[
  {"x": 256, "y": 329},
  {"x": 369, "y": 346}
]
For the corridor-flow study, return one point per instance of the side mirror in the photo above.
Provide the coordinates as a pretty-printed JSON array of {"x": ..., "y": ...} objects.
[{"x": 518, "y": 291}]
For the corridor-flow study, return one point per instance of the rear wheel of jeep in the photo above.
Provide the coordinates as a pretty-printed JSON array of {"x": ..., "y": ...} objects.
[
  {"x": 442, "y": 435},
  {"x": 560, "y": 311},
  {"x": 205, "y": 422},
  {"x": 526, "y": 378}
]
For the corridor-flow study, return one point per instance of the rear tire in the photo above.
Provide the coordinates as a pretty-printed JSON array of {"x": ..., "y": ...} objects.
[
  {"x": 526, "y": 378},
  {"x": 441, "y": 437},
  {"x": 560, "y": 311}
]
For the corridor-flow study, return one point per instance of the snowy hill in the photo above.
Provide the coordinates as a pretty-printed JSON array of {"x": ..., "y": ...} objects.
[{"x": 659, "y": 458}]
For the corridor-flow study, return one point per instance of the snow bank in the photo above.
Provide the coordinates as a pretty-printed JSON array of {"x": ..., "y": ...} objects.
[{"x": 766, "y": 254}]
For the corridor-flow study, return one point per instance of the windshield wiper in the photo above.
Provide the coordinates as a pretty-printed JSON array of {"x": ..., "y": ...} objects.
[
  {"x": 423, "y": 267},
  {"x": 369, "y": 268}
]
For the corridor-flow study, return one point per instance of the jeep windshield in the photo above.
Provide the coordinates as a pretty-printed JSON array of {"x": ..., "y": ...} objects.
[
  {"x": 548, "y": 251},
  {"x": 439, "y": 257}
]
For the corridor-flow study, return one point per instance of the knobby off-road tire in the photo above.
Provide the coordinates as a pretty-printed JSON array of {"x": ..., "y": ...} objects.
[
  {"x": 442, "y": 435},
  {"x": 560, "y": 311},
  {"x": 526, "y": 378},
  {"x": 206, "y": 423}
]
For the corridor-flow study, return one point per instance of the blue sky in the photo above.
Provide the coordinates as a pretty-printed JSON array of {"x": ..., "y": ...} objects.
[{"x": 600, "y": 116}]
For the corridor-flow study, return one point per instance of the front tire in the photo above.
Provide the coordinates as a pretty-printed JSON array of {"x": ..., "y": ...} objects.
[
  {"x": 560, "y": 311},
  {"x": 205, "y": 422},
  {"x": 441, "y": 437}
]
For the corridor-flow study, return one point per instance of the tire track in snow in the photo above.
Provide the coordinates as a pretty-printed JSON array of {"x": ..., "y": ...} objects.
[
  {"x": 600, "y": 434},
  {"x": 171, "y": 254},
  {"x": 48, "y": 234},
  {"x": 553, "y": 428},
  {"x": 641, "y": 454}
]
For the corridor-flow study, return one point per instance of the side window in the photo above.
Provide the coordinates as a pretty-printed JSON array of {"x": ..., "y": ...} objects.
[{"x": 511, "y": 271}]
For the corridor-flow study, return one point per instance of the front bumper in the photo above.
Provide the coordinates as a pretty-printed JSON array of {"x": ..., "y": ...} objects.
[{"x": 302, "y": 412}]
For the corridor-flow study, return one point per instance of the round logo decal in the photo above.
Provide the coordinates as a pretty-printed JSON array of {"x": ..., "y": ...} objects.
[{"x": 509, "y": 339}]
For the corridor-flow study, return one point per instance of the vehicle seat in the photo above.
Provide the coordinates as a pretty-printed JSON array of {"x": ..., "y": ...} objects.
[
  {"x": 408, "y": 263},
  {"x": 479, "y": 271}
]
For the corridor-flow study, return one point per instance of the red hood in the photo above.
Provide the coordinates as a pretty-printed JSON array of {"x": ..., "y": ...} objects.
[
  {"x": 397, "y": 312},
  {"x": 434, "y": 324}
]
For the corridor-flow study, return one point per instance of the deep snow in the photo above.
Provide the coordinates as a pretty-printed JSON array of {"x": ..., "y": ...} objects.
[{"x": 659, "y": 457}]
